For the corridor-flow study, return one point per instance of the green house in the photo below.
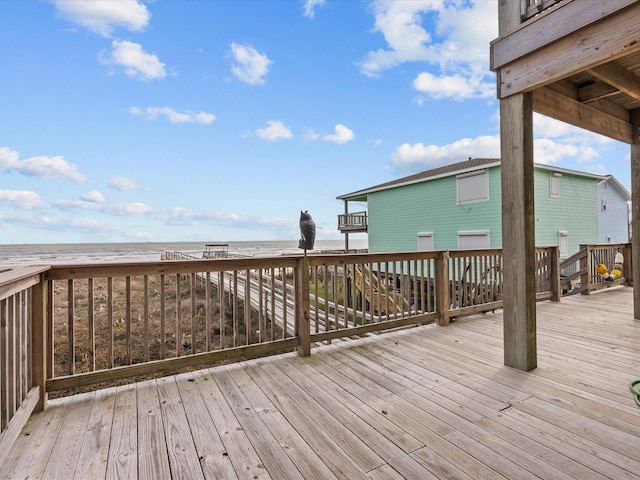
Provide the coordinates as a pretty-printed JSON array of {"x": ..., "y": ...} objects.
[{"x": 459, "y": 206}]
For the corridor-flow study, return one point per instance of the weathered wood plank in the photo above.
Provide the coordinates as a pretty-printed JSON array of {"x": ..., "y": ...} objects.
[
  {"x": 238, "y": 448},
  {"x": 322, "y": 442},
  {"x": 214, "y": 459},
  {"x": 66, "y": 452},
  {"x": 123, "y": 452},
  {"x": 41, "y": 442},
  {"x": 92, "y": 461},
  {"x": 306, "y": 460},
  {"x": 183, "y": 457},
  {"x": 153, "y": 459},
  {"x": 276, "y": 461}
]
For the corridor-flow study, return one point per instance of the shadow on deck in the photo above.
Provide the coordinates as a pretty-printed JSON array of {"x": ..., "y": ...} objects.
[{"x": 426, "y": 402}]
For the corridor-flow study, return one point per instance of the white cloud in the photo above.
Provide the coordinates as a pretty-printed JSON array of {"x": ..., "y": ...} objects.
[
  {"x": 310, "y": 7},
  {"x": 275, "y": 131},
  {"x": 116, "y": 209},
  {"x": 125, "y": 184},
  {"x": 103, "y": 16},
  {"x": 22, "y": 199},
  {"x": 418, "y": 157},
  {"x": 407, "y": 40},
  {"x": 136, "y": 62},
  {"x": 341, "y": 135},
  {"x": 250, "y": 65},
  {"x": 93, "y": 196},
  {"x": 456, "y": 44},
  {"x": 456, "y": 87},
  {"x": 548, "y": 151},
  {"x": 152, "y": 113},
  {"x": 40, "y": 166}
]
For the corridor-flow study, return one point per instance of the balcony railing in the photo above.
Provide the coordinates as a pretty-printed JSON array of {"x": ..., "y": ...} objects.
[
  {"x": 530, "y": 8},
  {"x": 353, "y": 222},
  {"x": 69, "y": 326}
]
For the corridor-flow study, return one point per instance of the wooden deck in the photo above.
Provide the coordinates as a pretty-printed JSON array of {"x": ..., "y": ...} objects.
[{"x": 427, "y": 402}]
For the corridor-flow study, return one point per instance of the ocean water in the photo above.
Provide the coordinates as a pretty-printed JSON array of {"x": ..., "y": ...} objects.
[{"x": 65, "y": 253}]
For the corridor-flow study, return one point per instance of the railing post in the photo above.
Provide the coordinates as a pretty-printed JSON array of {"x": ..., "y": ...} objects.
[
  {"x": 627, "y": 266},
  {"x": 554, "y": 273},
  {"x": 585, "y": 264},
  {"x": 39, "y": 322},
  {"x": 442, "y": 287},
  {"x": 303, "y": 324}
]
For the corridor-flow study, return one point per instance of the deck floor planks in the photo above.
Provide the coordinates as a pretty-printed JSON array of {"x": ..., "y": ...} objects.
[
  {"x": 214, "y": 459},
  {"x": 310, "y": 465},
  {"x": 443, "y": 457},
  {"x": 20, "y": 445},
  {"x": 123, "y": 450},
  {"x": 465, "y": 427},
  {"x": 378, "y": 419},
  {"x": 246, "y": 462},
  {"x": 323, "y": 444},
  {"x": 94, "y": 453},
  {"x": 275, "y": 460},
  {"x": 573, "y": 446},
  {"x": 153, "y": 458},
  {"x": 183, "y": 458},
  {"x": 360, "y": 452},
  {"x": 66, "y": 451},
  {"x": 41, "y": 443},
  {"x": 353, "y": 421},
  {"x": 535, "y": 445},
  {"x": 458, "y": 412}
]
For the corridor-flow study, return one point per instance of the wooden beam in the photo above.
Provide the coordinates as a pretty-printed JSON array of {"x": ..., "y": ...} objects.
[
  {"x": 604, "y": 41},
  {"x": 550, "y": 27},
  {"x": 619, "y": 77},
  {"x": 560, "y": 107},
  {"x": 595, "y": 91},
  {"x": 635, "y": 211}
]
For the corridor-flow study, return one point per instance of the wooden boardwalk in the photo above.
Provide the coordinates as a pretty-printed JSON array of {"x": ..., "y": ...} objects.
[{"x": 426, "y": 402}]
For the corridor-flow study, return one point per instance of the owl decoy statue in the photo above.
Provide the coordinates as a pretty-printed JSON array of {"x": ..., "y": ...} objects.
[{"x": 307, "y": 231}]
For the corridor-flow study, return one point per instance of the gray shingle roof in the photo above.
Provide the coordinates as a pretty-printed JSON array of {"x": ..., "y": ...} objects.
[{"x": 471, "y": 164}]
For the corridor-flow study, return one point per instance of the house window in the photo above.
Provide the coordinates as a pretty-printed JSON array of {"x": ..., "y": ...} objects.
[
  {"x": 604, "y": 204},
  {"x": 468, "y": 240},
  {"x": 563, "y": 243},
  {"x": 473, "y": 187},
  {"x": 554, "y": 185},
  {"x": 425, "y": 241}
]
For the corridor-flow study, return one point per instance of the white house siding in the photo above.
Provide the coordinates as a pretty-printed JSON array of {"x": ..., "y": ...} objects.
[{"x": 613, "y": 222}]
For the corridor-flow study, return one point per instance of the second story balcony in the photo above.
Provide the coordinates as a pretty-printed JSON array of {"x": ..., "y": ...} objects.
[{"x": 353, "y": 222}]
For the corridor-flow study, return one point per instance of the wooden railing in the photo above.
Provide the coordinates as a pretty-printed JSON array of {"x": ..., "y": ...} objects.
[
  {"x": 579, "y": 272},
  {"x": 22, "y": 349},
  {"x": 70, "y": 326}
]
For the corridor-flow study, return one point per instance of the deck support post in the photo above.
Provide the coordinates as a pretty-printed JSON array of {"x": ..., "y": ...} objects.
[
  {"x": 635, "y": 210},
  {"x": 39, "y": 341},
  {"x": 518, "y": 232},
  {"x": 518, "y": 218},
  {"x": 303, "y": 323}
]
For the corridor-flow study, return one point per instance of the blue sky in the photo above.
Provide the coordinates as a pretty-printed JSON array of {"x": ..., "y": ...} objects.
[{"x": 135, "y": 121}]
